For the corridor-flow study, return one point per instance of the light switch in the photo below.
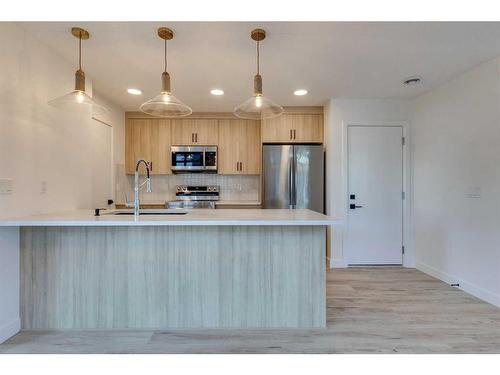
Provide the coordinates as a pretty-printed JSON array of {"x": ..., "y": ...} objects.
[
  {"x": 43, "y": 187},
  {"x": 6, "y": 186},
  {"x": 473, "y": 192}
]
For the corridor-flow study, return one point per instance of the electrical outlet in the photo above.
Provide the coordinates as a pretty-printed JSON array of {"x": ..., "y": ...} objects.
[
  {"x": 43, "y": 187},
  {"x": 6, "y": 186}
]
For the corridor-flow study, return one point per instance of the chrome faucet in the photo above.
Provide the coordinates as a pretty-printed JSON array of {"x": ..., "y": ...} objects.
[{"x": 138, "y": 187}]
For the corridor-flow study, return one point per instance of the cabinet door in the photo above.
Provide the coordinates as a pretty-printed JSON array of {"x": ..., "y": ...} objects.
[
  {"x": 239, "y": 147},
  {"x": 160, "y": 146},
  {"x": 201, "y": 132},
  {"x": 307, "y": 128},
  {"x": 148, "y": 139},
  {"x": 137, "y": 143},
  {"x": 277, "y": 129},
  {"x": 228, "y": 149},
  {"x": 206, "y": 132},
  {"x": 183, "y": 132},
  {"x": 250, "y": 148}
]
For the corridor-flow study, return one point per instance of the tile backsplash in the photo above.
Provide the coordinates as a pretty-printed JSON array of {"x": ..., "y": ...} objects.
[{"x": 232, "y": 188}]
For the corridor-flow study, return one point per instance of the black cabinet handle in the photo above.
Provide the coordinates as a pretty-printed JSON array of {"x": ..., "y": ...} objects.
[{"x": 352, "y": 206}]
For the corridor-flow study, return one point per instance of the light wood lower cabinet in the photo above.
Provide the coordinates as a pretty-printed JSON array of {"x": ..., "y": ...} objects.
[
  {"x": 293, "y": 128},
  {"x": 201, "y": 132},
  {"x": 239, "y": 149},
  {"x": 148, "y": 139}
]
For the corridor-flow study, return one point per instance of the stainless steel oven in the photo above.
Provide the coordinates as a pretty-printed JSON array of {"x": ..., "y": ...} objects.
[
  {"x": 194, "y": 159},
  {"x": 195, "y": 197}
]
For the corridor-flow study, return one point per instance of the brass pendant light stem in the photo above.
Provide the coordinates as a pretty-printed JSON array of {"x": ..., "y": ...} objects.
[
  {"x": 165, "y": 57},
  {"x": 165, "y": 34},
  {"x": 80, "y": 53},
  {"x": 258, "y": 35},
  {"x": 258, "y": 57},
  {"x": 81, "y": 34}
]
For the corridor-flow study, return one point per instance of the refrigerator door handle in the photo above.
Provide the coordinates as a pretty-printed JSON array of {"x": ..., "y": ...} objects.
[
  {"x": 290, "y": 183},
  {"x": 293, "y": 200}
]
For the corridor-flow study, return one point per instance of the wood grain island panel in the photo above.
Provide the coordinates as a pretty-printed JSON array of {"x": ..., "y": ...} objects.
[{"x": 173, "y": 277}]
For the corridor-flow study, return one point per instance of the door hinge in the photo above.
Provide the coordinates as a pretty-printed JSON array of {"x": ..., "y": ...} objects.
[
  {"x": 403, "y": 249},
  {"x": 403, "y": 195},
  {"x": 403, "y": 141}
]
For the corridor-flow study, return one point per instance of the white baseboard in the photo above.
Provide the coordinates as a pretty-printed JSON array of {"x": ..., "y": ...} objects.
[
  {"x": 466, "y": 286},
  {"x": 337, "y": 263},
  {"x": 10, "y": 329}
]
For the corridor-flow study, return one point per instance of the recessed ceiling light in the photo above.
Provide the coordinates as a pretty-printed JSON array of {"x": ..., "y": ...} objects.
[
  {"x": 300, "y": 92},
  {"x": 134, "y": 91},
  {"x": 414, "y": 80},
  {"x": 217, "y": 92}
]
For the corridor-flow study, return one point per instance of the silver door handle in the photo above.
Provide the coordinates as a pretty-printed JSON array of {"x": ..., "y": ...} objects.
[{"x": 290, "y": 201}]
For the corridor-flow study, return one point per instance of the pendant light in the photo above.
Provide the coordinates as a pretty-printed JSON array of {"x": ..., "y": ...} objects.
[
  {"x": 78, "y": 100},
  {"x": 165, "y": 104},
  {"x": 258, "y": 107}
]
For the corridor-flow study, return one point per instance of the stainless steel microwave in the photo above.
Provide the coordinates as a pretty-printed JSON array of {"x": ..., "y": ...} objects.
[{"x": 194, "y": 159}]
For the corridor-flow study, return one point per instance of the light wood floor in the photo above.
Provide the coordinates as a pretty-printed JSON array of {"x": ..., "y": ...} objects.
[{"x": 388, "y": 310}]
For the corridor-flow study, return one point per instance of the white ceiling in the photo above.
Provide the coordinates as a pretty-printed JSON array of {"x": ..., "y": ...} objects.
[{"x": 330, "y": 59}]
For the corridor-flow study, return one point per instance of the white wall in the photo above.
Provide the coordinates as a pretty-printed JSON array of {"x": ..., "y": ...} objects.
[
  {"x": 38, "y": 142},
  {"x": 338, "y": 114},
  {"x": 456, "y": 143}
]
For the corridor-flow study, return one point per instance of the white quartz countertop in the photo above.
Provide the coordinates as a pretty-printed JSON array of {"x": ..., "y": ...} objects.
[{"x": 218, "y": 217}]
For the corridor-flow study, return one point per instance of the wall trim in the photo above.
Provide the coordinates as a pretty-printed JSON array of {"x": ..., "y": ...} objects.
[
  {"x": 337, "y": 263},
  {"x": 465, "y": 285},
  {"x": 10, "y": 329}
]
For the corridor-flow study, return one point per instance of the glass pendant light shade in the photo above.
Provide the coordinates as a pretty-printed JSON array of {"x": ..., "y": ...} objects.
[
  {"x": 78, "y": 100},
  {"x": 165, "y": 104},
  {"x": 258, "y": 107}
]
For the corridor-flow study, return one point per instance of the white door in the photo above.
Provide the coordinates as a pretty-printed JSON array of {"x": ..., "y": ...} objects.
[{"x": 375, "y": 195}]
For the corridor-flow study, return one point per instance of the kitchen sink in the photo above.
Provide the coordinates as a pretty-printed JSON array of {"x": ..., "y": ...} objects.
[{"x": 148, "y": 212}]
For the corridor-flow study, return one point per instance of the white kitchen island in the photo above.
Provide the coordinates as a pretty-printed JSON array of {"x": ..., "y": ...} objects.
[{"x": 223, "y": 268}]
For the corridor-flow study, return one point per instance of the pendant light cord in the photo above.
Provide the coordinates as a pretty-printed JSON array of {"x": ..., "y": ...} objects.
[
  {"x": 258, "y": 57},
  {"x": 165, "y": 65},
  {"x": 80, "y": 52}
]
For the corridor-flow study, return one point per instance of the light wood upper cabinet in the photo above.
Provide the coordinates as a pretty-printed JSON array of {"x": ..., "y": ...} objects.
[
  {"x": 201, "y": 132},
  {"x": 239, "y": 147},
  {"x": 293, "y": 128},
  {"x": 148, "y": 139}
]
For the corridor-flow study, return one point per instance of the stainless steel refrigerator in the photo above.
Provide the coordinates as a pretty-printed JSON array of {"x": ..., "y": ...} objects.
[{"x": 293, "y": 176}]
